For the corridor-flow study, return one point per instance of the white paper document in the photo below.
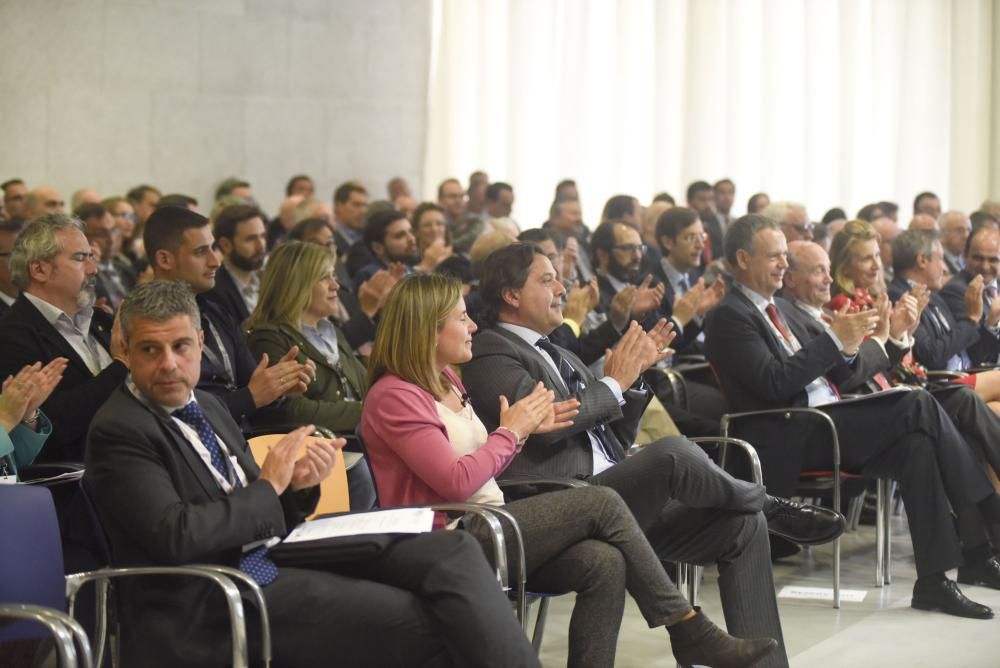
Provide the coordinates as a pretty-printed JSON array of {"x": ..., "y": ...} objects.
[{"x": 397, "y": 520}]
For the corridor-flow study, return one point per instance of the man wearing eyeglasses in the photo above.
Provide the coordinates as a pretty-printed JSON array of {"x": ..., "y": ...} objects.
[
  {"x": 54, "y": 316},
  {"x": 617, "y": 256},
  {"x": 792, "y": 218}
]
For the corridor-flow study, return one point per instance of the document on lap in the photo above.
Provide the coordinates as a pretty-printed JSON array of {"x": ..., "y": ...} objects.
[{"x": 397, "y": 520}]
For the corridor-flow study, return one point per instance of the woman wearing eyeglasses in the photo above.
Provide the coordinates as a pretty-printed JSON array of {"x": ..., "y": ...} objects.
[{"x": 426, "y": 445}]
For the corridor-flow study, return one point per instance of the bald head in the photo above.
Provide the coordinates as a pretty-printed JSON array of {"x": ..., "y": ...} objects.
[
  {"x": 888, "y": 230},
  {"x": 923, "y": 221},
  {"x": 85, "y": 196},
  {"x": 808, "y": 277},
  {"x": 44, "y": 200},
  {"x": 955, "y": 229}
]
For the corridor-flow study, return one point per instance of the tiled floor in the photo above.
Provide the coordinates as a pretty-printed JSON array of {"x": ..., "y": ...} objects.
[{"x": 882, "y": 631}]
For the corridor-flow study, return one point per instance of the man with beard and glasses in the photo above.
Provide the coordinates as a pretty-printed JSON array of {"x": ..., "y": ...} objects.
[
  {"x": 389, "y": 236},
  {"x": 241, "y": 236},
  {"x": 617, "y": 256},
  {"x": 54, "y": 267}
]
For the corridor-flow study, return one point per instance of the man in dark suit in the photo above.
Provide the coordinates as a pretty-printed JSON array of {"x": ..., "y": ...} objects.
[
  {"x": 350, "y": 210},
  {"x": 242, "y": 239},
  {"x": 54, "y": 267},
  {"x": 8, "y": 291},
  {"x": 942, "y": 340},
  {"x": 174, "y": 482},
  {"x": 807, "y": 287},
  {"x": 701, "y": 197},
  {"x": 179, "y": 246},
  {"x": 113, "y": 279},
  {"x": 982, "y": 258},
  {"x": 689, "y": 508},
  {"x": 762, "y": 365},
  {"x": 955, "y": 230}
]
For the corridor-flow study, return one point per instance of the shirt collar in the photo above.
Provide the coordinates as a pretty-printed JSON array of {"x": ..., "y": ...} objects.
[
  {"x": 159, "y": 409},
  {"x": 529, "y": 335},
  {"x": 755, "y": 297},
  {"x": 615, "y": 283},
  {"x": 9, "y": 301},
  {"x": 252, "y": 285},
  {"x": 812, "y": 311},
  {"x": 673, "y": 274},
  {"x": 53, "y": 314}
]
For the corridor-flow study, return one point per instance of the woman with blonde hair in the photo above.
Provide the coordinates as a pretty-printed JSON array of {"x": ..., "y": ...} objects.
[
  {"x": 298, "y": 294},
  {"x": 426, "y": 445},
  {"x": 856, "y": 268}
]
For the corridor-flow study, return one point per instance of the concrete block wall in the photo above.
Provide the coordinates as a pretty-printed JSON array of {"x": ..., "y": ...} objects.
[{"x": 184, "y": 93}]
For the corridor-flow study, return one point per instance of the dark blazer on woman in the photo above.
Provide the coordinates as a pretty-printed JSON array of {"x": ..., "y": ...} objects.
[{"x": 324, "y": 403}]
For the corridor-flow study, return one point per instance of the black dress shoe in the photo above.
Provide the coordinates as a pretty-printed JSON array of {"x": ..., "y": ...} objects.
[
  {"x": 802, "y": 523},
  {"x": 941, "y": 594},
  {"x": 782, "y": 548},
  {"x": 986, "y": 573}
]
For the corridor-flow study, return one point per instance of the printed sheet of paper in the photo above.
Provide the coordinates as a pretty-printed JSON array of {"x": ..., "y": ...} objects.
[{"x": 397, "y": 520}]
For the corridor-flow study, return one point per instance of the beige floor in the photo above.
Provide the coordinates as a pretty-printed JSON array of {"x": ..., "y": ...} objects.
[{"x": 882, "y": 631}]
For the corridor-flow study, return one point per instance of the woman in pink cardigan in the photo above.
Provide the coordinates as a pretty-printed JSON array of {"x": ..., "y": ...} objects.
[{"x": 426, "y": 445}]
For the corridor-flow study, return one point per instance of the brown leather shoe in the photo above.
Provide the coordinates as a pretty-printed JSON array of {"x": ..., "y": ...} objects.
[{"x": 697, "y": 641}]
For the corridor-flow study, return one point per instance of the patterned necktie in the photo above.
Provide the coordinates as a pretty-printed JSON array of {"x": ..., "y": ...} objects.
[
  {"x": 566, "y": 371},
  {"x": 255, "y": 563},
  {"x": 573, "y": 382}
]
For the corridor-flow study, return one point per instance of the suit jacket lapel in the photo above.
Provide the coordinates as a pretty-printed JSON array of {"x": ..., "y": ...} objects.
[
  {"x": 51, "y": 335},
  {"x": 555, "y": 381},
  {"x": 762, "y": 323}
]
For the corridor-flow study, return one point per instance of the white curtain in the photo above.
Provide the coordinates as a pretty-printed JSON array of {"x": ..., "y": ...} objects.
[{"x": 830, "y": 102}]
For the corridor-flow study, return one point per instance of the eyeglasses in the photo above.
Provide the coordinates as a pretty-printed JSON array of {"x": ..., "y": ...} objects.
[
  {"x": 807, "y": 227},
  {"x": 55, "y": 203},
  {"x": 125, "y": 215},
  {"x": 631, "y": 249},
  {"x": 693, "y": 237}
]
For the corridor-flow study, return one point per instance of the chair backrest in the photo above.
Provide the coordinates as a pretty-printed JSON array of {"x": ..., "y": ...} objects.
[
  {"x": 371, "y": 469},
  {"x": 31, "y": 558},
  {"x": 333, "y": 491}
]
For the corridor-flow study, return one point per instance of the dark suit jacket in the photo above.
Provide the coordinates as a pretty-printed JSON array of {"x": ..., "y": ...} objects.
[
  {"x": 753, "y": 368},
  {"x": 323, "y": 403},
  {"x": 849, "y": 378},
  {"x": 159, "y": 505},
  {"x": 234, "y": 392},
  {"x": 226, "y": 294},
  {"x": 27, "y": 337},
  {"x": 3, "y": 308},
  {"x": 934, "y": 345},
  {"x": 503, "y": 363},
  {"x": 687, "y": 342},
  {"x": 987, "y": 349}
]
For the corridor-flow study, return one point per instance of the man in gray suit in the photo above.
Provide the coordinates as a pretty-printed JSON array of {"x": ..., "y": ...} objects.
[{"x": 690, "y": 510}]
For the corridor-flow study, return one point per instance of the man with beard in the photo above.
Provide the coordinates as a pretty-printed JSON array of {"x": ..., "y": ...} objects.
[
  {"x": 179, "y": 246},
  {"x": 241, "y": 236},
  {"x": 54, "y": 267},
  {"x": 618, "y": 251},
  {"x": 389, "y": 237}
]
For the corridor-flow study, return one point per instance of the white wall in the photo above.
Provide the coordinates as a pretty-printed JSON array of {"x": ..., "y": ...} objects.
[{"x": 183, "y": 93}]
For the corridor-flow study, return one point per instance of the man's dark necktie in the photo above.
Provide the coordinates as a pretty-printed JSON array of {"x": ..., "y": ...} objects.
[
  {"x": 255, "y": 563},
  {"x": 572, "y": 380}
]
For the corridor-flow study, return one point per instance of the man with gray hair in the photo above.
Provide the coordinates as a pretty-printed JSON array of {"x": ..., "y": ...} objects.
[
  {"x": 54, "y": 267},
  {"x": 792, "y": 218}
]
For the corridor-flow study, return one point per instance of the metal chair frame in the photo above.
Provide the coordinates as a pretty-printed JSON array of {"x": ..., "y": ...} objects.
[
  {"x": 885, "y": 486},
  {"x": 71, "y": 642}
]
